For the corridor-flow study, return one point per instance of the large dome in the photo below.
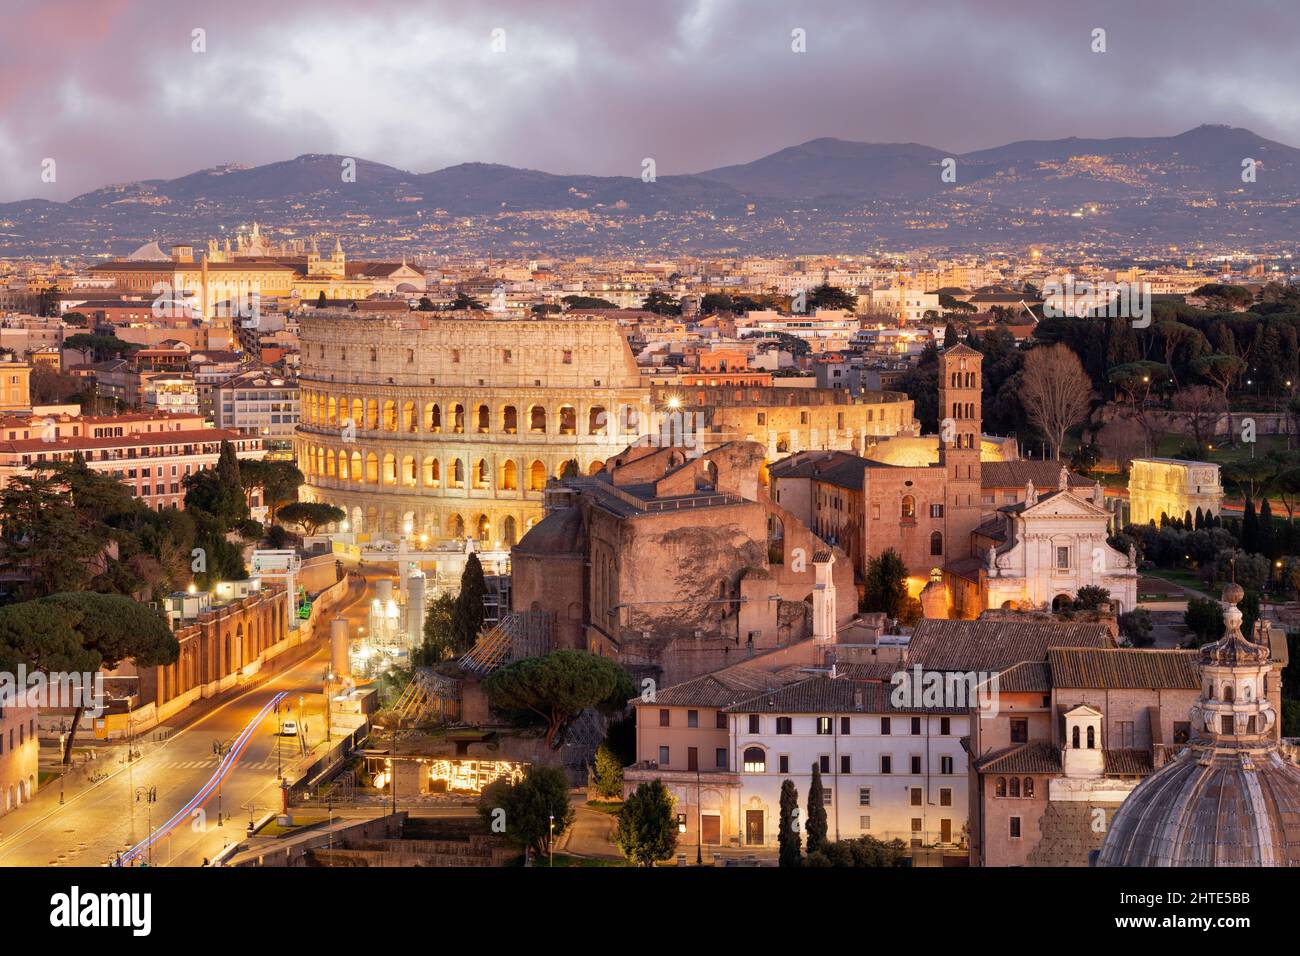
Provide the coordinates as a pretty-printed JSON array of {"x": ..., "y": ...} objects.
[{"x": 1229, "y": 798}]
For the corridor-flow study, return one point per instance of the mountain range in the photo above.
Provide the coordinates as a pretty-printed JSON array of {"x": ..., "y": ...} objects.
[{"x": 825, "y": 195}]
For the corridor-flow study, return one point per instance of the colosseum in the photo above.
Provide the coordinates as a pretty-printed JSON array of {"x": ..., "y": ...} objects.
[{"x": 453, "y": 425}]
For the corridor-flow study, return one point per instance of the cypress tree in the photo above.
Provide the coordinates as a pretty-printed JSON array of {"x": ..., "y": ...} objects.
[
  {"x": 1200, "y": 519},
  {"x": 467, "y": 615},
  {"x": 816, "y": 825},
  {"x": 1249, "y": 536},
  {"x": 1187, "y": 521},
  {"x": 788, "y": 838},
  {"x": 1264, "y": 531}
]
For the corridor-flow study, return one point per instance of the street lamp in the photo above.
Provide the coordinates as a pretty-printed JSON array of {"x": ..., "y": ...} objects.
[{"x": 550, "y": 842}]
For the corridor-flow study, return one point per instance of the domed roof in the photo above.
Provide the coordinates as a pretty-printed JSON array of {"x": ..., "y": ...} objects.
[
  {"x": 560, "y": 532},
  {"x": 1210, "y": 808},
  {"x": 1229, "y": 798}
]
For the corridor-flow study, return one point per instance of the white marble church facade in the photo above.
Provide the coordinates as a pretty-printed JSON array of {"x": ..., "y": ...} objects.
[{"x": 1055, "y": 544}]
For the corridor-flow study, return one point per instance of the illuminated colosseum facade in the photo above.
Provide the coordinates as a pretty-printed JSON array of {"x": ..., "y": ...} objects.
[{"x": 454, "y": 424}]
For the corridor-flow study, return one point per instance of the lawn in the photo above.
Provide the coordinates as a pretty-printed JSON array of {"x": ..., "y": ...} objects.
[{"x": 605, "y": 806}]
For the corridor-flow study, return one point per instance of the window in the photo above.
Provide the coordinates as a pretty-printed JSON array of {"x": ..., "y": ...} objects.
[
  {"x": 1020, "y": 730},
  {"x": 1000, "y": 789},
  {"x": 506, "y": 355},
  {"x": 916, "y": 726},
  {"x": 864, "y": 823},
  {"x": 886, "y": 763},
  {"x": 884, "y": 726},
  {"x": 1063, "y": 558},
  {"x": 945, "y": 764},
  {"x": 916, "y": 824},
  {"x": 846, "y": 764},
  {"x": 824, "y": 725},
  {"x": 663, "y": 756},
  {"x": 945, "y": 796},
  {"x": 663, "y": 717},
  {"x": 864, "y": 796},
  {"x": 945, "y": 726},
  {"x": 824, "y": 763},
  {"x": 784, "y": 725},
  {"x": 754, "y": 724},
  {"x": 909, "y": 507},
  {"x": 1092, "y": 737},
  {"x": 845, "y": 724},
  {"x": 916, "y": 796},
  {"x": 692, "y": 718},
  {"x": 1014, "y": 830},
  {"x": 783, "y": 763},
  {"x": 755, "y": 760},
  {"x": 720, "y": 758},
  {"x": 568, "y": 356},
  {"x": 936, "y": 544},
  {"x": 1029, "y": 787},
  {"x": 826, "y": 797},
  {"x": 1182, "y": 731},
  {"x": 936, "y": 511},
  {"x": 721, "y": 721},
  {"x": 1015, "y": 786},
  {"x": 915, "y": 764}
]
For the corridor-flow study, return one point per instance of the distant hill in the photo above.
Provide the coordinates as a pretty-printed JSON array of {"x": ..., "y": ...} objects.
[{"x": 824, "y": 195}]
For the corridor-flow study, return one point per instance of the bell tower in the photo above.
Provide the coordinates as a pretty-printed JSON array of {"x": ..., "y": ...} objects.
[{"x": 960, "y": 425}]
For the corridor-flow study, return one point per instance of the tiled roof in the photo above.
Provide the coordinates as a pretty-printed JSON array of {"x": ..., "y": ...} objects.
[
  {"x": 1123, "y": 668},
  {"x": 1035, "y": 757},
  {"x": 1127, "y": 763},
  {"x": 718, "y": 689},
  {"x": 1014, "y": 474},
  {"x": 1027, "y": 677},
  {"x": 995, "y": 645},
  {"x": 869, "y": 670},
  {"x": 832, "y": 695}
]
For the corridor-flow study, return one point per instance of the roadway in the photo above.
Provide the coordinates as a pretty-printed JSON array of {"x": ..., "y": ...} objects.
[{"x": 209, "y": 798}]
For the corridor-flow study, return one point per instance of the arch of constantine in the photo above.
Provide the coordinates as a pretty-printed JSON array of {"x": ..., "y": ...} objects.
[{"x": 451, "y": 425}]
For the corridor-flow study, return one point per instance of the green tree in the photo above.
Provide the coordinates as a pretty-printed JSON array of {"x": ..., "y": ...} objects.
[
  {"x": 661, "y": 303},
  {"x": 826, "y": 296},
  {"x": 321, "y": 301},
  {"x": 311, "y": 516},
  {"x": 647, "y": 825},
  {"x": 1135, "y": 627},
  {"x": 609, "y": 772},
  {"x": 559, "y": 686},
  {"x": 788, "y": 836},
  {"x": 1204, "y": 618},
  {"x": 528, "y": 809},
  {"x": 468, "y": 613},
  {"x": 84, "y": 631},
  {"x": 816, "y": 825},
  {"x": 439, "y": 631},
  {"x": 580, "y": 302},
  {"x": 44, "y": 542},
  {"x": 886, "y": 584}
]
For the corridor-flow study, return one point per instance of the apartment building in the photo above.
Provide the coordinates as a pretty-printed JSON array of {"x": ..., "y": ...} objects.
[
  {"x": 887, "y": 771},
  {"x": 151, "y": 452},
  {"x": 261, "y": 402}
]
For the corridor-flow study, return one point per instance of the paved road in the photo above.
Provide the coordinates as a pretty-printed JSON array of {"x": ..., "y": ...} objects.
[{"x": 213, "y": 796}]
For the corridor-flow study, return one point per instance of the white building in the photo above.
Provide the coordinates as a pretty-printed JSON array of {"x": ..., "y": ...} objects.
[
  {"x": 890, "y": 773},
  {"x": 258, "y": 402},
  {"x": 1051, "y": 545},
  {"x": 1172, "y": 487},
  {"x": 907, "y": 305}
]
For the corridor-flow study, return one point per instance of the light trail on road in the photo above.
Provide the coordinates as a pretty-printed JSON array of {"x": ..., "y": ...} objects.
[{"x": 200, "y": 798}]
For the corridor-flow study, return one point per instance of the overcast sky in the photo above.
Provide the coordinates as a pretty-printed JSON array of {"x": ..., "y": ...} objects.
[{"x": 112, "y": 90}]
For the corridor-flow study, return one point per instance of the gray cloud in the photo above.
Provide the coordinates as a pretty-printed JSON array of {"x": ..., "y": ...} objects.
[{"x": 111, "y": 90}]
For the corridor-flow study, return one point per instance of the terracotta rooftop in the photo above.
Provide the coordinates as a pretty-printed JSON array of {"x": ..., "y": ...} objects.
[
  {"x": 1123, "y": 668},
  {"x": 995, "y": 645}
]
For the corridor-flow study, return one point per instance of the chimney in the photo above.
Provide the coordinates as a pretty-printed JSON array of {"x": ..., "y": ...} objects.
[{"x": 183, "y": 252}]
